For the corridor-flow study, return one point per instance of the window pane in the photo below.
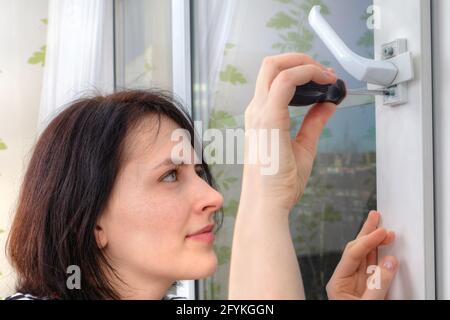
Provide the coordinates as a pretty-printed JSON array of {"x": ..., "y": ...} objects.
[
  {"x": 229, "y": 43},
  {"x": 143, "y": 44}
]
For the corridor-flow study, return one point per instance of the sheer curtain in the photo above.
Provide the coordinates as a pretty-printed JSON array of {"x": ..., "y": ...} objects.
[{"x": 79, "y": 57}]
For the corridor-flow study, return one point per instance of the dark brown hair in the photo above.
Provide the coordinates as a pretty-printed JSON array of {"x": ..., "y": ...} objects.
[{"x": 67, "y": 184}]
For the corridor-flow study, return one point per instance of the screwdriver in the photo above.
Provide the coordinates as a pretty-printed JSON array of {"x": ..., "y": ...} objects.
[{"x": 312, "y": 92}]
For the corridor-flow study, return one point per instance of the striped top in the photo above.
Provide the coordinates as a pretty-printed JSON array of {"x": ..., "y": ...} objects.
[
  {"x": 26, "y": 296},
  {"x": 21, "y": 296}
]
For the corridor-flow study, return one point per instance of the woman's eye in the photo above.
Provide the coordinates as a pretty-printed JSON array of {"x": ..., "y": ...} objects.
[{"x": 172, "y": 176}]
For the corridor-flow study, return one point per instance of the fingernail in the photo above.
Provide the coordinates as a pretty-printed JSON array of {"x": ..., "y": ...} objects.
[
  {"x": 388, "y": 264},
  {"x": 331, "y": 70}
]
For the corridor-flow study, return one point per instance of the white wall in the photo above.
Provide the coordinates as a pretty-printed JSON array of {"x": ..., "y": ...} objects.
[
  {"x": 22, "y": 33},
  {"x": 441, "y": 84}
]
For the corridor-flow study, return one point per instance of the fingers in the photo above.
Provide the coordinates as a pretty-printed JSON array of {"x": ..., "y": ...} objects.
[
  {"x": 371, "y": 223},
  {"x": 365, "y": 244},
  {"x": 312, "y": 126},
  {"x": 284, "y": 85},
  {"x": 389, "y": 239},
  {"x": 273, "y": 65},
  {"x": 357, "y": 251},
  {"x": 372, "y": 258},
  {"x": 380, "y": 281}
]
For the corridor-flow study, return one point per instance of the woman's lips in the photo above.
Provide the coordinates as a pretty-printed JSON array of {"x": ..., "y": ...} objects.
[{"x": 205, "y": 236}]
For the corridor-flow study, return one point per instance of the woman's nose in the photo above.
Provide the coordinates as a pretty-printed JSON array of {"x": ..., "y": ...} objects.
[{"x": 209, "y": 199}]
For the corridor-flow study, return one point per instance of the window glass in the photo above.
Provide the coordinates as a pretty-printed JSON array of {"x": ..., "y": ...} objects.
[
  {"x": 143, "y": 44},
  {"x": 230, "y": 39}
]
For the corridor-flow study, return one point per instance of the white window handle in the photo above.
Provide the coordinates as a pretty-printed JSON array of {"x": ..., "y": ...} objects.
[{"x": 382, "y": 72}]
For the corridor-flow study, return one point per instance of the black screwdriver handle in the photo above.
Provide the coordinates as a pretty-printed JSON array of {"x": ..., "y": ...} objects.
[{"x": 311, "y": 93}]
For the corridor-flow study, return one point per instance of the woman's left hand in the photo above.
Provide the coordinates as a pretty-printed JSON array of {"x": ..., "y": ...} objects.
[{"x": 352, "y": 279}]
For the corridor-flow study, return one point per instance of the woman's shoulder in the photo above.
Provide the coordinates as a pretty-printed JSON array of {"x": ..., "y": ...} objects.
[{"x": 24, "y": 296}]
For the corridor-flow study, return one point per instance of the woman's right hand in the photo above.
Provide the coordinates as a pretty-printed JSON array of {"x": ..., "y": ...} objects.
[
  {"x": 268, "y": 112},
  {"x": 352, "y": 279},
  {"x": 264, "y": 264}
]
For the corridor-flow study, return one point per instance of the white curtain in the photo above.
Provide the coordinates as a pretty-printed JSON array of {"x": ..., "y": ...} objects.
[
  {"x": 79, "y": 57},
  {"x": 213, "y": 23}
]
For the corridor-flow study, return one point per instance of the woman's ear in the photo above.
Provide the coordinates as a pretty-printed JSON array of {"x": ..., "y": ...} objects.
[{"x": 100, "y": 235}]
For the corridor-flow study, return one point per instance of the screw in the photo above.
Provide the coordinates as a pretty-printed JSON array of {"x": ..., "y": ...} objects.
[
  {"x": 390, "y": 92},
  {"x": 388, "y": 51}
]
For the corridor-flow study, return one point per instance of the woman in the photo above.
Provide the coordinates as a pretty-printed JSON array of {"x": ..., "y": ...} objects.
[{"x": 103, "y": 193}]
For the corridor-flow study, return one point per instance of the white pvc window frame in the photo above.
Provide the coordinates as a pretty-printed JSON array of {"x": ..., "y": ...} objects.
[
  {"x": 182, "y": 87},
  {"x": 404, "y": 135},
  {"x": 441, "y": 85},
  {"x": 119, "y": 55}
]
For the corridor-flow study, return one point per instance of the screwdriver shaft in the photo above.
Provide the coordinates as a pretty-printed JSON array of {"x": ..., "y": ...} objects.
[{"x": 366, "y": 92}]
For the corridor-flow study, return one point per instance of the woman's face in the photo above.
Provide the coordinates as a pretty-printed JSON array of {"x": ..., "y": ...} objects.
[{"x": 153, "y": 208}]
